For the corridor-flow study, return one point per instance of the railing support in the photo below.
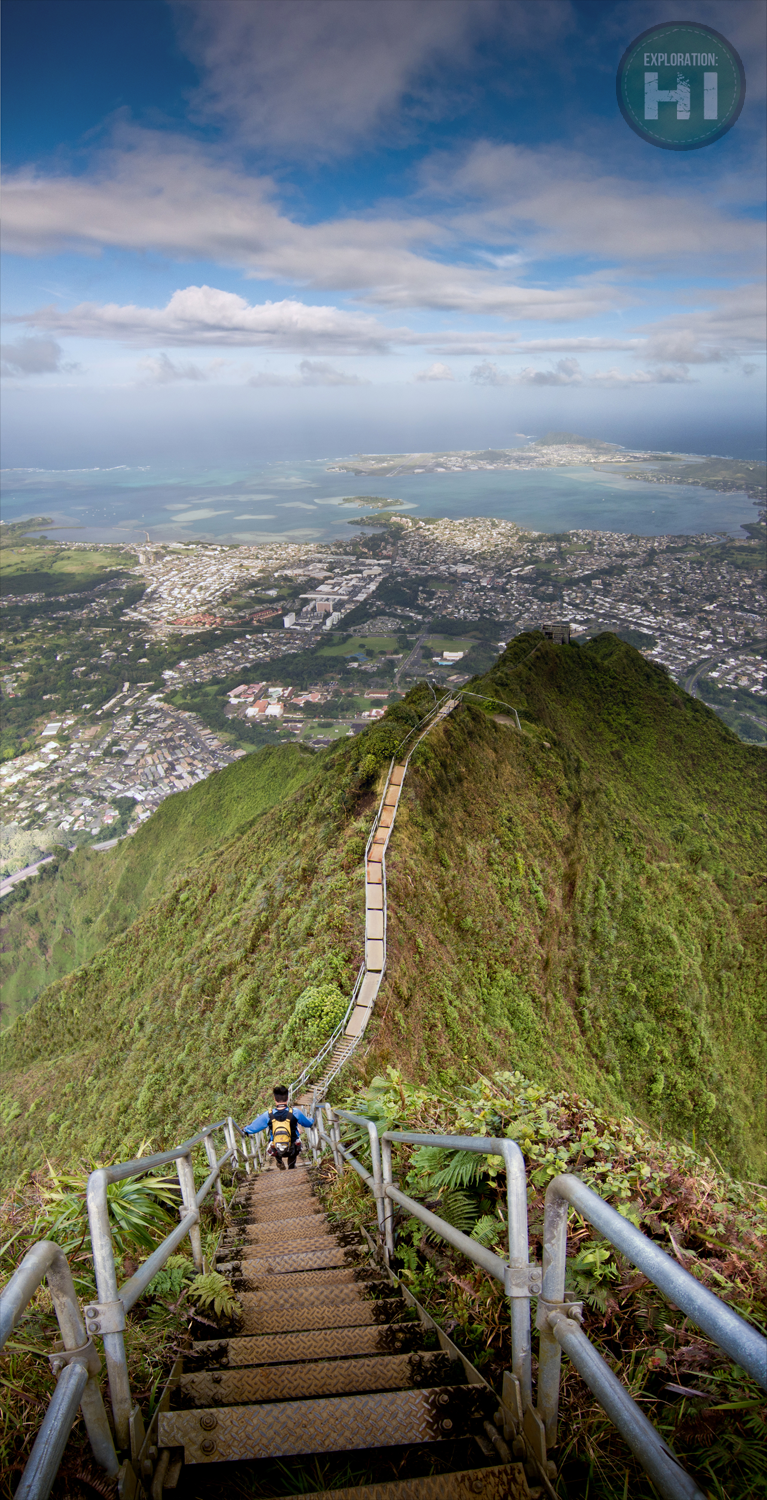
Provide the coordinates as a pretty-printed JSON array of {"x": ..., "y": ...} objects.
[
  {"x": 742, "y": 1342},
  {"x": 106, "y": 1284},
  {"x": 43, "y": 1463},
  {"x": 47, "y": 1259},
  {"x": 210, "y": 1152},
  {"x": 673, "y": 1482},
  {"x": 189, "y": 1196},
  {"x": 516, "y": 1275}
]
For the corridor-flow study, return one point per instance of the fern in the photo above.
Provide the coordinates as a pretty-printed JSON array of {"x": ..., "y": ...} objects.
[
  {"x": 486, "y": 1230},
  {"x": 169, "y": 1281},
  {"x": 212, "y": 1293},
  {"x": 449, "y": 1169},
  {"x": 459, "y": 1209}
]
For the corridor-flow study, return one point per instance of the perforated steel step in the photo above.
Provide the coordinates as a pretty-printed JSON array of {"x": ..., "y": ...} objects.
[
  {"x": 273, "y": 1319},
  {"x": 504, "y": 1483},
  {"x": 327, "y": 1343},
  {"x": 329, "y": 1276},
  {"x": 273, "y": 1264},
  {"x": 338, "y": 1423},
  {"x": 283, "y": 1299},
  {"x": 387, "y": 1372}
]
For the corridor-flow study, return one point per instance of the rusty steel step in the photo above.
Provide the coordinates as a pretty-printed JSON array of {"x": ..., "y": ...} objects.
[
  {"x": 308, "y": 1223},
  {"x": 308, "y": 1261},
  {"x": 386, "y": 1372},
  {"x": 506, "y": 1482},
  {"x": 327, "y": 1343},
  {"x": 329, "y": 1425},
  {"x": 270, "y": 1233},
  {"x": 329, "y": 1276},
  {"x": 313, "y": 1296},
  {"x": 271, "y": 1319},
  {"x": 269, "y": 1212}
]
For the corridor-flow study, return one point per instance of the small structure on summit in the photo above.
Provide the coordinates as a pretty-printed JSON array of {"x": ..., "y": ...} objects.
[{"x": 557, "y": 631}]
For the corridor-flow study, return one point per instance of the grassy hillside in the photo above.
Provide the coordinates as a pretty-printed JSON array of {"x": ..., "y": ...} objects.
[
  {"x": 579, "y": 901},
  {"x": 59, "y": 921}
]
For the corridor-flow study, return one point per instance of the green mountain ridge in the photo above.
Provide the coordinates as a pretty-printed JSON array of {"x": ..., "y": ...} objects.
[
  {"x": 81, "y": 901},
  {"x": 581, "y": 900}
]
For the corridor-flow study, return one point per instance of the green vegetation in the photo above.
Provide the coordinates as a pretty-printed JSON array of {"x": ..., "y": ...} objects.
[
  {"x": 583, "y": 898},
  {"x": 677, "y": 1196},
  {"x": 57, "y": 922}
]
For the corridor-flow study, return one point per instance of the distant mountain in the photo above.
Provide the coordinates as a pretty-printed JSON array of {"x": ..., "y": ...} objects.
[{"x": 580, "y": 900}]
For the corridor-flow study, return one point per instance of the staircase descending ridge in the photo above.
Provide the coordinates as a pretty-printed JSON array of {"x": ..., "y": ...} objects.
[
  {"x": 328, "y": 1362},
  {"x": 316, "y": 1080}
]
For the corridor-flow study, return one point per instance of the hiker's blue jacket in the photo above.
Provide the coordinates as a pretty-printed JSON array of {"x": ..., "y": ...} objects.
[{"x": 263, "y": 1120}]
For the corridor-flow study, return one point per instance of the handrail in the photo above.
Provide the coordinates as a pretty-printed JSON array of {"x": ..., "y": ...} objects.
[
  {"x": 106, "y": 1317},
  {"x": 557, "y": 1319},
  {"x": 78, "y": 1362},
  {"x": 514, "y": 1275},
  {"x": 731, "y": 1332}
]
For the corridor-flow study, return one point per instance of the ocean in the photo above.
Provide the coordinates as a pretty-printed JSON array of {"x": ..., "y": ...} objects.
[{"x": 302, "y": 502}]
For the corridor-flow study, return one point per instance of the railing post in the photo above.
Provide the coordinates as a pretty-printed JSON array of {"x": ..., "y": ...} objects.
[
  {"x": 552, "y": 1292},
  {"x": 189, "y": 1196},
  {"x": 519, "y": 1263},
  {"x": 375, "y": 1156},
  {"x": 106, "y": 1284},
  {"x": 231, "y": 1140},
  {"x": 387, "y": 1203},
  {"x": 335, "y": 1138},
  {"x": 210, "y": 1152}
]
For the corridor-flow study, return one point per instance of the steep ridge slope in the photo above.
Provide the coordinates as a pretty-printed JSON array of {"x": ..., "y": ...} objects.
[
  {"x": 578, "y": 899},
  {"x": 58, "y": 924}
]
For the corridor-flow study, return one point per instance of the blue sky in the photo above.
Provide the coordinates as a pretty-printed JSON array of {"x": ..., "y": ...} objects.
[{"x": 291, "y": 227}]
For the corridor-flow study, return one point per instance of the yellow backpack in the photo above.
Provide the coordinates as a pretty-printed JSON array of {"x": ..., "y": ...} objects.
[{"x": 282, "y": 1130}]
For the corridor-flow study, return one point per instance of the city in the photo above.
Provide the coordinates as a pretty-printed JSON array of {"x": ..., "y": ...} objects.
[{"x": 197, "y": 653}]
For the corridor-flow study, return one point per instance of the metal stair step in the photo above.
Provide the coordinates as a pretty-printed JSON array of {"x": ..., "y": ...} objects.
[
  {"x": 330, "y": 1275},
  {"x": 309, "y": 1261},
  {"x": 271, "y": 1212},
  {"x": 506, "y": 1482},
  {"x": 271, "y": 1319},
  {"x": 327, "y": 1343},
  {"x": 311, "y": 1296},
  {"x": 314, "y": 1229},
  {"x": 330, "y": 1425},
  {"x": 296, "y": 1224},
  {"x": 385, "y": 1372}
]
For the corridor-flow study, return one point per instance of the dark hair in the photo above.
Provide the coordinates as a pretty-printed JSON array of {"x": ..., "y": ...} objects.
[{"x": 280, "y": 1091}]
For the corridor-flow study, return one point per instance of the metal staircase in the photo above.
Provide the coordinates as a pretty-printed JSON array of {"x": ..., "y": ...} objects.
[
  {"x": 329, "y": 1361},
  {"x": 313, "y": 1083}
]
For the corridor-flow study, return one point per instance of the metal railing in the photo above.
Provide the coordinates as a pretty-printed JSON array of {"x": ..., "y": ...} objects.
[
  {"x": 558, "y": 1319},
  {"x": 76, "y": 1362},
  {"x": 106, "y": 1317}
]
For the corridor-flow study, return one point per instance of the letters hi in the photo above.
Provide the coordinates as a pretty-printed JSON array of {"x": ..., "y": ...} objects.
[{"x": 653, "y": 96}]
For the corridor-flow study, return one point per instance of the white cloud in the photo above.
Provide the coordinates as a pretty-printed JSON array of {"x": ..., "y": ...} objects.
[
  {"x": 310, "y": 372},
  {"x": 556, "y": 200},
  {"x": 155, "y": 192},
  {"x": 436, "y": 371},
  {"x": 564, "y": 372},
  {"x": 207, "y": 315},
  {"x": 570, "y": 372},
  {"x": 732, "y": 325},
  {"x": 33, "y": 356},
  {"x": 489, "y": 374},
  {"x": 321, "y": 76},
  {"x": 158, "y": 369}
]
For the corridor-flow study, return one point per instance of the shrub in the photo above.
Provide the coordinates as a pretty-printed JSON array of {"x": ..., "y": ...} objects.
[{"x": 318, "y": 1010}]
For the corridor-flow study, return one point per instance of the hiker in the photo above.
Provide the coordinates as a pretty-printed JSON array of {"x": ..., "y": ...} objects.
[{"x": 282, "y": 1123}]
